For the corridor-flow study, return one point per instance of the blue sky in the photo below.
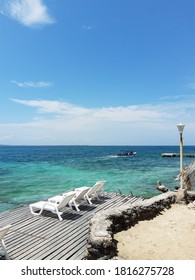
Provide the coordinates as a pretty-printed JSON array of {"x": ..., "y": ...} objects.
[{"x": 97, "y": 72}]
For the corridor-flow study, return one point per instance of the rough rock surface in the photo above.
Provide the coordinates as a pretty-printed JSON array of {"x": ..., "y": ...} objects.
[{"x": 104, "y": 224}]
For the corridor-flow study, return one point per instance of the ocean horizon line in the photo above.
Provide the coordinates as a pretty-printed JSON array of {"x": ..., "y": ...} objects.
[{"x": 89, "y": 145}]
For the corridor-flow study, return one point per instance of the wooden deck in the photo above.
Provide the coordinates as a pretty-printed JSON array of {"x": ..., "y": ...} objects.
[{"x": 46, "y": 238}]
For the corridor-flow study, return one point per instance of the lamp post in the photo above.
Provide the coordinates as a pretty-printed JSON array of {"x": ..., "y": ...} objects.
[{"x": 181, "y": 128}]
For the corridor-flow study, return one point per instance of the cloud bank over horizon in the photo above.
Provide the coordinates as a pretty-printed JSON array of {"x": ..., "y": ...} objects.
[{"x": 57, "y": 122}]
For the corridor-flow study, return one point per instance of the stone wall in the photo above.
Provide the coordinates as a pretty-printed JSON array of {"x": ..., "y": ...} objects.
[{"x": 104, "y": 224}]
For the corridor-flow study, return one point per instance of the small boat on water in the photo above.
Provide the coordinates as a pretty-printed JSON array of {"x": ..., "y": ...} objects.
[{"x": 126, "y": 153}]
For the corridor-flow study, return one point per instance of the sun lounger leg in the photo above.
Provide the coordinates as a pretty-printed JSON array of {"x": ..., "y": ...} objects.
[
  {"x": 71, "y": 203},
  {"x": 75, "y": 205},
  {"x": 36, "y": 213},
  {"x": 4, "y": 250},
  {"x": 88, "y": 199},
  {"x": 59, "y": 216},
  {"x": 97, "y": 197}
]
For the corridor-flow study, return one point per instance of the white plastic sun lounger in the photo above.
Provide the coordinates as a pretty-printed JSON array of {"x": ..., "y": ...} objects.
[
  {"x": 54, "y": 207},
  {"x": 94, "y": 191},
  {"x": 77, "y": 199},
  {"x": 3, "y": 232}
]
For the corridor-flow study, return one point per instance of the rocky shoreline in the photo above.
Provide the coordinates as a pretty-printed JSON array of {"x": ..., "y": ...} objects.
[{"x": 105, "y": 224}]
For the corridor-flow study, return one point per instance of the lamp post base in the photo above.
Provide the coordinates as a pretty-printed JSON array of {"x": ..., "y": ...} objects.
[{"x": 181, "y": 196}]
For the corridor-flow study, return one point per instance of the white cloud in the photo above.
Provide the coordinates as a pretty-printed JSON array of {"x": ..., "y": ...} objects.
[
  {"x": 57, "y": 122},
  {"x": 138, "y": 113},
  {"x": 191, "y": 85},
  {"x": 114, "y": 114},
  {"x": 28, "y": 12},
  {"x": 55, "y": 107},
  {"x": 5, "y": 137},
  {"x": 87, "y": 27},
  {"x": 31, "y": 84},
  {"x": 180, "y": 96}
]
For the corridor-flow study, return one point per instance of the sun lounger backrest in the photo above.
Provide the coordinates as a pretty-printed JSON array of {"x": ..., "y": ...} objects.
[
  {"x": 81, "y": 195},
  {"x": 66, "y": 200},
  {"x": 3, "y": 231},
  {"x": 98, "y": 185}
]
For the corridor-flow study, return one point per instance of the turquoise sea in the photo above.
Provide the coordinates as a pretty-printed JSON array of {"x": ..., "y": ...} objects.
[{"x": 33, "y": 173}]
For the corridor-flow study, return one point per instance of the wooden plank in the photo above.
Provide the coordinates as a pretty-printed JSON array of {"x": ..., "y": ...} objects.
[
  {"x": 64, "y": 236},
  {"x": 55, "y": 233},
  {"x": 83, "y": 243},
  {"x": 68, "y": 232},
  {"x": 66, "y": 248}
]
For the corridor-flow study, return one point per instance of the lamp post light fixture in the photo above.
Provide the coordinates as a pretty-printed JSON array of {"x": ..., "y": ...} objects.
[{"x": 181, "y": 128}]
